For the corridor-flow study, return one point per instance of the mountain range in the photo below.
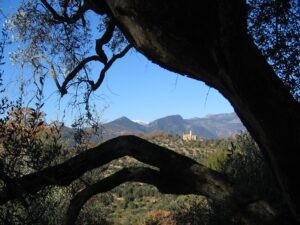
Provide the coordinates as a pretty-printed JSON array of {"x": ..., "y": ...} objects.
[{"x": 208, "y": 127}]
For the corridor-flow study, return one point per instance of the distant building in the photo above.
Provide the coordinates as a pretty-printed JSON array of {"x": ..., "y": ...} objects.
[{"x": 189, "y": 137}]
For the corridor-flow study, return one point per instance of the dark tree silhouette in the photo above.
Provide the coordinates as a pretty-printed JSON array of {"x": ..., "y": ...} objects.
[
  {"x": 210, "y": 42},
  {"x": 207, "y": 41}
]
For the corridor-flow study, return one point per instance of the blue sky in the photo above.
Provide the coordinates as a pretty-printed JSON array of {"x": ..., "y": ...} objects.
[{"x": 138, "y": 89}]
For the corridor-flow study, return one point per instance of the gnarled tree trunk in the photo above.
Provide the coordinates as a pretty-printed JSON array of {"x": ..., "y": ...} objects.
[{"x": 208, "y": 41}]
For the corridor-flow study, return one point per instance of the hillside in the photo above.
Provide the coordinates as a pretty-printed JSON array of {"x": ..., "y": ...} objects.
[{"x": 132, "y": 203}]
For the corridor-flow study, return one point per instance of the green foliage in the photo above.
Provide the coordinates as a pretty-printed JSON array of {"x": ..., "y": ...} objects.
[
  {"x": 28, "y": 145},
  {"x": 242, "y": 161},
  {"x": 93, "y": 214},
  {"x": 199, "y": 150},
  {"x": 215, "y": 160},
  {"x": 194, "y": 211},
  {"x": 45, "y": 207},
  {"x": 274, "y": 26},
  {"x": 247, "y": 168}
]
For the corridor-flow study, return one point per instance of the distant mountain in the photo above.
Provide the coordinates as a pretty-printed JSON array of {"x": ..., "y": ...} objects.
[
  {"x": 211, "y": 126},
  {"x": 169, "y": 124},
  {"x": 122, "y": 126},
  {"x": 220, "y": 125}
]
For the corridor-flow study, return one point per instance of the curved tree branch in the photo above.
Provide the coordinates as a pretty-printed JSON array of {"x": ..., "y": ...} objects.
[
  {"x": 108, "y": 65},
  {"x": 66, "y": 19},
  {"x": 167, "y": 161},
  {"x": 176, "y": 174},
  {"x": 101, "y": 56},
  {"x": 256, "y": 212},
  {"x": 94, "y": 86},
  {"x": 55, "y": 15},
  {"x": 104, "y": 40},
  {"x": 73, "y": 73},
  {"x": 53, "y": 73}
]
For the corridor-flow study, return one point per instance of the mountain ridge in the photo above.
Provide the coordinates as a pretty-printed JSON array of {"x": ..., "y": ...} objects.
[{"x": 210, "y": 127}]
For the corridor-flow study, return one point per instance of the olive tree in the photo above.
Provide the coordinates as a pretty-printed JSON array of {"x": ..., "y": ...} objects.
[{"x": 240, "y": 48}]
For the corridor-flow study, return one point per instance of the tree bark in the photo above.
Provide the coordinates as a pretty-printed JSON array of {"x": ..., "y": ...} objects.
[{"x": 209, "y": 42}]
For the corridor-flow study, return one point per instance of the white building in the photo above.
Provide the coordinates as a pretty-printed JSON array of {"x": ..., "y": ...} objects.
[{"x": 189, "y": 137}]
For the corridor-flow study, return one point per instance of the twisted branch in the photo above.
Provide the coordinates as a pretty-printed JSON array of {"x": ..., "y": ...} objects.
[
  {"x": 176, "y": 174},
  {"x": 73, "y": 73},
  {"x": 106, "y": 37},
  {"x": 167, "y": 161},
  {"x": 96, "y": 85},
  {"x": 82, "y": 64},
  {"x": 66, "y": 19}
]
